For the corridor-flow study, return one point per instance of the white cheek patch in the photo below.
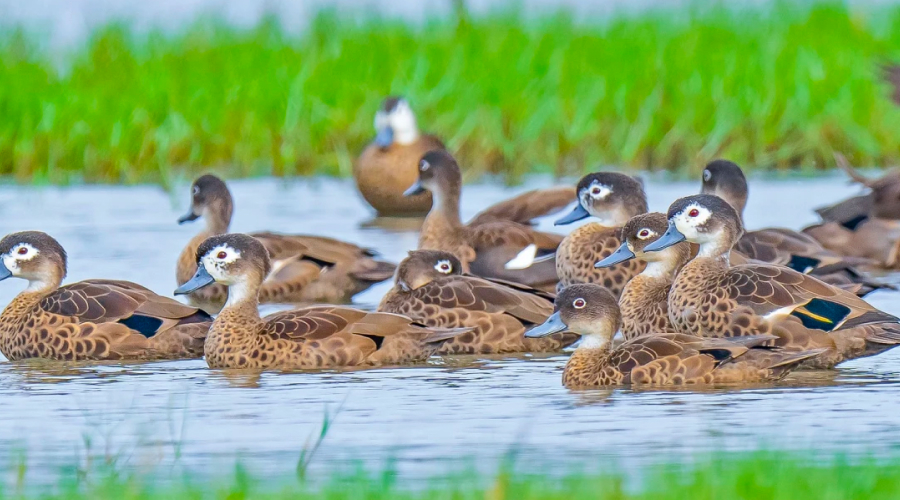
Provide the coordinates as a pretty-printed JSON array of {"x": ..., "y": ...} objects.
[
  {"x": 216, "y": 266},
  {"x": 687, "y": 225},
  {"x": 599, "y": 191},
  {"x": 646, "y": 234},
  {"x": 444, "y": 267},
  {"x": 403, "y": 122}
]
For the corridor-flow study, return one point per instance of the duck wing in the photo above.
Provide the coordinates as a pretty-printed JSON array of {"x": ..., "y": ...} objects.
[
  {"x": 477, "y": 294},
  {"x": 526, "y": 207}
]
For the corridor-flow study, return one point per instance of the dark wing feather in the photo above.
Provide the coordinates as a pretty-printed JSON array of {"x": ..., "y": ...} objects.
[{"x": 478, "y": 294}]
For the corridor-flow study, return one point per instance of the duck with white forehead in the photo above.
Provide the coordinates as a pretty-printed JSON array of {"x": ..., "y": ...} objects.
[
  {"x": 388, "y": 165},
  {"x": 496, "y": 235},
  {"x": 96, "y": 319},
  {"x": 305, "y": 268},
  {"x": 662, "y": 358},
  {"x": 711, "y": 298},
  {"x": 430, "y": 288},
  {"x": 313, "y": 337},
  {"x": 782, "y": 246},
  {"x": 611, "y": 199}
]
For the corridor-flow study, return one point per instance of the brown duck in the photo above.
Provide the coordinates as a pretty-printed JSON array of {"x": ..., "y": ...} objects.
[
  {"x": 612, "y": 199},
  {"x": 389, "y": 164},
  {"x": 304, "y": 268},
  {"x": 430, "y": 288},
  {"x": 91, "y": 319},
  {"x": 495, "y": 236},
  {"x": 314, "y": 337},
  {"x": 710, "y": 298},
  {"x": 783, "y": 246},
  {"x": 658, "y": 359}
]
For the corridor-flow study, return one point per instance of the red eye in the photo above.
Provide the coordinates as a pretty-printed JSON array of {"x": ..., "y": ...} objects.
[
  {"x": 644, "y": 233},
  {"x": 23, "y": 251},
  {"x": 579, "y": 303},
  {"x": 222, "y": 255},
  {"x": 694, "y": 212},
  {"x": 595, "y": 191}
]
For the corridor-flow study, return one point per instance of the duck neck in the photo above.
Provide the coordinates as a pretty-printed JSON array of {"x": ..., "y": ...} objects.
[
  {"x": 45, "y": 282},
  {"x": 218, "y": 219},
  {"x": 715, "y": 250},
  {"x": 244, "y": 295}
]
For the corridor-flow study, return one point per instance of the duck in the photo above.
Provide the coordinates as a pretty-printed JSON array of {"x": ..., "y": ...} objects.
[
  {"x": 95, "y": 319},
  {"x": 430, "y": 288},
  {"x": 307, "y": 338},
  {"x": 783, "y": 246},
  {"x": 712, "y": 298},
  {"x": 494, "y": 237},
  {"x": 612, "y": 199},
  {"x": 865, "y": 226},
  {"x": 664, "y": 358},
  {"x": 644, "y": 301},
  {"x": 388, "y": 165},
  {"x": 304, "y": 268}
]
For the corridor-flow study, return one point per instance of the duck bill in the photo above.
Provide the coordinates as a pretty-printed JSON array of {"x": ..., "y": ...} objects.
[
  {"x": 416, "y": 188},
  {"x": 554, "y": 324},
  {"x": 576, "y": 214},
  {"x": 188, "y": 217},
  {"x": 385, "y": 137},
  {"x": 669, "y": 238},
  {"x": 4, "y": 271},
  {"x": 622, "y": 254},
  {"x": 201, "y": 279}
]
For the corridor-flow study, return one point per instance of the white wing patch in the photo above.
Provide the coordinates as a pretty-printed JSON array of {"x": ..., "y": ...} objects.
[{"x": 524, "y": 259}]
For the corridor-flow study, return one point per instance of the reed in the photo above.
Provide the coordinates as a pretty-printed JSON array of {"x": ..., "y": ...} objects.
[{"x": 776, "y": 86}]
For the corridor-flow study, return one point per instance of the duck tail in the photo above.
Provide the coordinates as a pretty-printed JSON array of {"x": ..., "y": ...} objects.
[{"x": 887, "y": 334}]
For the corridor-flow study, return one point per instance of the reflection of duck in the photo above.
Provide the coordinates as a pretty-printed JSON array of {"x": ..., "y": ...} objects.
[
  {"x": 314, "y": 337},
  {"x": 783, "y": 246},
  {"x": 304, "y": 268},
  {"x": 92, "y": 319},
  {"x": 710, "y": 298},
  {"x": 389, "y": 164},
  {"x": 430, "y": 288},
  {"x": 612, "y": 199},
  {"x": 496, "y": 235},
  {"x": 659, "y": 359}
]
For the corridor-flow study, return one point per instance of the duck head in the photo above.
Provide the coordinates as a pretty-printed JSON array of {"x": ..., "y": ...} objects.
[
  {"x": 236, "y": 260},
  {"x": 586, "y": 309},
  {"x": 395, "y": 123},
  {"x": 704, "y": 219},
  {"x": 726, "y": 180},
  {"x": 33, "y": 256},
  {"x": 438, "y": 173},
  {"x": 611, "y": 197},
  {"x": 640, "y": 231},
  {"x": 421, "y": 267},
  {"x": 211, "y": 200}
]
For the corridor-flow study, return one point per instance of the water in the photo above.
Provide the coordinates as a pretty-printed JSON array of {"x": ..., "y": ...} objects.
[{"x": 471, "y": 410}]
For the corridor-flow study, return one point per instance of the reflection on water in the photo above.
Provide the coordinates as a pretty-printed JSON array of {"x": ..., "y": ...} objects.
[{"x": 476, "y": 407}]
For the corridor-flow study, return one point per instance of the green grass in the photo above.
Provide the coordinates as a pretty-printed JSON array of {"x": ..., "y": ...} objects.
[
  {"x": 762, "y": 475},
  {"x": 772, "y": 87}
]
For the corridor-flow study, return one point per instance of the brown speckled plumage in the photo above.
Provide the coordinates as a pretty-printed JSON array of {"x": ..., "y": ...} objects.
[
  {"x": 91, "y": 319},
  {"x": 313, "y": 337},
  {"x": 304, "y": 268},
  {"x": 430, "y": 289}
]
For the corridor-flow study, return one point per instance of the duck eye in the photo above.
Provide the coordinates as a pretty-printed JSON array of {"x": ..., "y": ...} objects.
[
  {"x": 221, "y": 255},
  {"x": 444, "y": 267},
  {"x": 579, "y": 303},
  {"x": 595, "y": 191},
  {"x": 707, "y": 175},
  {"x": 196, "y": 190},
  {"x": 22, "y": 250},
  {"x": 424, "y": 165},
  {"x": 694, "y": 212},
  {"x": 644, "y": 233}
]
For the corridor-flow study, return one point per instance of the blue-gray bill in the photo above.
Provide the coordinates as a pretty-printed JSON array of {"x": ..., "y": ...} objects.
[
  {"x": 201, "y": 279},
  {"x": 669, "y": 238},
  {"x": 188, "y": 217},
  {"x": 385, "y": 137},
  {"x": 4, "y": 271},
  {"x": 554, "y": 324},
  {"x": 415, "y": 189},
  {"x": 576, "y": 214},
  {"x": 622, "y": 254}
]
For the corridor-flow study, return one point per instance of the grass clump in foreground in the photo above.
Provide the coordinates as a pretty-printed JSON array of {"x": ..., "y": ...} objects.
[
  {"x": 775, "y": 85},
  {"x": 749, "y": 476}
]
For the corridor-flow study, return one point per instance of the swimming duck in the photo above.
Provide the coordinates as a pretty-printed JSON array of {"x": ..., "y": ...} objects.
[
  {"x": 644, "y": 302},
  {"x": 865, "y": 226},
  {"x": 313, "y": 337},
  {"x": 612, "y": 199},
  {"x": 304, "y": 268},
  {"x": 710, "y": 298},
  {"x": 495, "y": 236},
  {"x": 663, "y": 358},
  {"x": 389, "y": 164},
  {"x": 430, "y": 288},
  {"x": 784, "y": 246},
  {"x": 89, "y": 320}
]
